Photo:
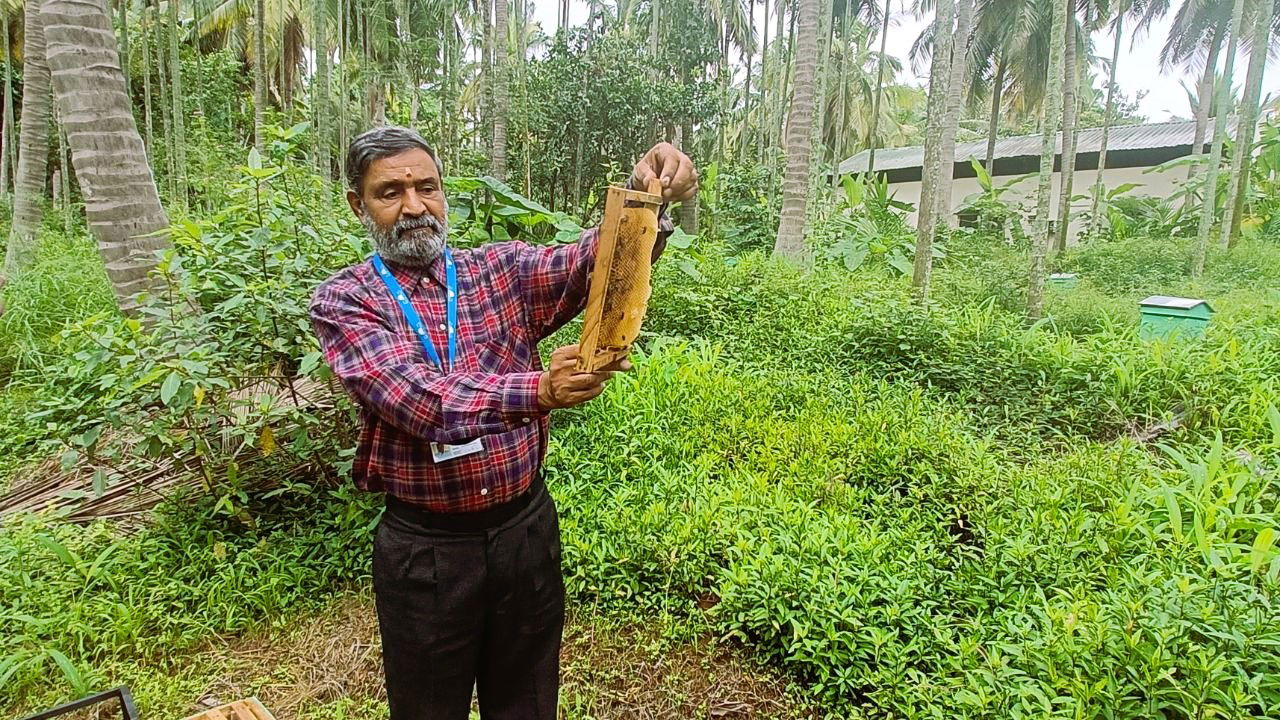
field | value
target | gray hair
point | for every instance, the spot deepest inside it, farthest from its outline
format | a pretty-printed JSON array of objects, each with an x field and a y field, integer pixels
[{"x": 382, "y": 142}]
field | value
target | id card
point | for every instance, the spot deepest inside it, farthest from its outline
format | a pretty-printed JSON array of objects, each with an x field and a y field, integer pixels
[{"x": 444, "y": 453}]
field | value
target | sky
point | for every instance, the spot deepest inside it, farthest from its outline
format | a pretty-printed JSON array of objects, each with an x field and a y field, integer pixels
[{"x": 1160, "y": 95}]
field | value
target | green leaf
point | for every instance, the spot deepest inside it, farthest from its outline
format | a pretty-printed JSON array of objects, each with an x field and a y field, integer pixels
[
  {"x": 255, "y": 159},
  {"x": 170, "y": 387},
  {"x": 99, "y": 483},
  {"x": 69, "y": 671},
  {"x": 680, "y": 239},
  {"x": 984, "y": 177},
  {"x": 1261, "y": 546},
  {"x": 310, "y": 362},
  {"x": 1175, "y": 513},
  {"x": 855, "y": 256},
  {"x": 900, "y": 263},
  {"x": 691, "y": 270}
]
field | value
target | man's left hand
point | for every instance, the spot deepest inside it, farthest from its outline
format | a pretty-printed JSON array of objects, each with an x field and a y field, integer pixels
[{"x": 672, "y": 167}]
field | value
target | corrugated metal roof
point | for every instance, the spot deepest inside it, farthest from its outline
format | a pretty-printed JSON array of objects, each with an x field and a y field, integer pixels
[{"x": 1123, "y": 137}]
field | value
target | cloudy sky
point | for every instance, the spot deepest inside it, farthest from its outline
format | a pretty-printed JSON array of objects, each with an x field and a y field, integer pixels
[{"x": 1139, "y": 69}]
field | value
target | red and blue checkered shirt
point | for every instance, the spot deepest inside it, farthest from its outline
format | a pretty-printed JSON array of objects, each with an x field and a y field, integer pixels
[{"x": 510, "y": 296}]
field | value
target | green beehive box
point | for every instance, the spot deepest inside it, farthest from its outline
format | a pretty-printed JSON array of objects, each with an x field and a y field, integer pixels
[
  {"x": 1164, "y": 316},
  {"x": 1064, "y": 281}
]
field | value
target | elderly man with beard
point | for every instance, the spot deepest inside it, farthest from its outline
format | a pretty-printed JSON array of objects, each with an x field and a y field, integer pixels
[{"x": 439, "y": 349}]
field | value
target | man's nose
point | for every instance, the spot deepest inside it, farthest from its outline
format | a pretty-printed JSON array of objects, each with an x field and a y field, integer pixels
[{"x": 413, "y": 204}]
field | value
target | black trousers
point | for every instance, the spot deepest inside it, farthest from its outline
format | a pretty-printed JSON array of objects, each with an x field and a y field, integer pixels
[{"x": 462, "y": 607}]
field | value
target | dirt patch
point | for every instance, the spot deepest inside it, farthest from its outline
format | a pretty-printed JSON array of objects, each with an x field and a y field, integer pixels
[{"x": 608, "y": 671}]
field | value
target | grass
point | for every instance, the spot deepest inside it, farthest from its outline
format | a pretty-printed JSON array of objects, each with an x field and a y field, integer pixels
[
  {"x": 895, "y": 513},
  {"x": 65, "y": 285}
]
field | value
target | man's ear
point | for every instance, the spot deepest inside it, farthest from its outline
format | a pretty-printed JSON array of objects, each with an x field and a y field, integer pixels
[{"x": 357, "y": 206}]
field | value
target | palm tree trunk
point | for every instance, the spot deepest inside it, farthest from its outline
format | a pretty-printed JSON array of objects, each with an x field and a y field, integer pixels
[
  {"x": 939, "y": 76},
  {"x": 787, "y": 77},
  {"x": 762, "y": 108},
  {"x": 872, "y": 141},
  {"x": 64, "y": 173},
  {"x": 839, "y": 144},
  {"x": 1062, "y": 17},
  {"x": 146, "y": 92},
  {"x": 1246, "y": 128},
  {"x": 486, "y": 68},
  {"x": 1108, "y": 118},
  {"x": 179, "y": 129},
  {"x": 722, "y": 77},
  {"x": 501, "y": 101},
  {"x": 281, "y": 82},
  {"x": 951, "y": 121},
  {"x": 655, "y": 18},
  {"x": 822, "y": 79},
  {"x": 320, "y": 98},
  {"x": 6, "y": 152},
  {"x": 166, "y": 107},
  {"x": 124, "y": 45},
  {"x": 744, "y": 138},
  {"x": 343, "y": 29},
  {"x": 1070, "y": 80},
  {"x": 33, "y": 146},
  {"x": 121, "y": 203},
  {"x": 1204, "y": 92},
  {"x": 795, "y": 183},
  {"x": 1207, "y": 209},
  {"x": 993, "y": 123},
  {"x": 260, "y": 75}
]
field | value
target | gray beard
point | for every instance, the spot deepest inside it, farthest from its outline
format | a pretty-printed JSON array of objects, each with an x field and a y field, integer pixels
[{"x": 415, "y": 242}]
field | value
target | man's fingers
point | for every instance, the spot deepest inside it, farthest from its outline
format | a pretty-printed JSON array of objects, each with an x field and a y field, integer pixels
[
  {"x": 685, "y": 179},
  {"x": 668, "y": 160},
  {"x": 582, "y": 381}
]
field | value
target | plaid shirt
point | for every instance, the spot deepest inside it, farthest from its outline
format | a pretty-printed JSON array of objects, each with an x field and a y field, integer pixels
[{"x": 510, "y": 296}]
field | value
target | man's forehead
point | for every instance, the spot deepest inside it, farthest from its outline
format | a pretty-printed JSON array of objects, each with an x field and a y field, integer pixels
[{"x": 415, "y": 164}]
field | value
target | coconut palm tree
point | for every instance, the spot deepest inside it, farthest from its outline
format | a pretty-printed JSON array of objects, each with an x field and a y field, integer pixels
[
  {"x": 1215, "y": 158},
  {"x": 872, "y": 139},
  {"x": 1246, "y": 125},
  {"x": 1123, "y": 8},
  {"x": 1207, "y": 213},
  {"x": 7, "y": 125},
  {"x": 939, "y": 76},
  {"x": 795, "y": 182},
  {"x": 853, "y": 99},
  {"x": 33, "y": 145},
  {"x": 951, "y": 118},
  {"x": 501, "y": 95},
  {"x": 122, "y": 205},
  {"x": 1052, "y": 118},
  {"x": 1070, "y": 81},
  {"x": 260, "y": 76}
]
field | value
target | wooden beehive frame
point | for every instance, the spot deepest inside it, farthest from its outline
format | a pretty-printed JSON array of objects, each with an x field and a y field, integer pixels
[{"x": 614, "y": 249}]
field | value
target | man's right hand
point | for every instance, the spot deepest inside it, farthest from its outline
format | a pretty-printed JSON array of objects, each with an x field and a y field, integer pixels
[{"x": 563, "y": 386}]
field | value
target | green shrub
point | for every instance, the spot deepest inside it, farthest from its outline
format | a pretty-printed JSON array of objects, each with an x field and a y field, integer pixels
[{"x": 858, "y": 534}]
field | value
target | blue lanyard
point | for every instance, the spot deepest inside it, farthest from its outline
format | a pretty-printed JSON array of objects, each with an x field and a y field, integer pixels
[{"x": 415, "y": 321}]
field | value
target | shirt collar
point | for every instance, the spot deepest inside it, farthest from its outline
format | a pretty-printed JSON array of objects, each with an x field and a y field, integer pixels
[{"x": 410, "y": 277}]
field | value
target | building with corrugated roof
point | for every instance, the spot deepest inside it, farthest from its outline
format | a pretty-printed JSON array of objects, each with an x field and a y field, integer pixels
[{"x": 1133, "y": 154}]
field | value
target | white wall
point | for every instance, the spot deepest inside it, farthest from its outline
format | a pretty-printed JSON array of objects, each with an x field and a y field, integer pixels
[{"x": 1023, "y": 193}]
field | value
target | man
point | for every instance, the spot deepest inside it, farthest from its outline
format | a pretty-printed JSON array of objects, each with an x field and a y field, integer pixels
[{"x": 439, "y": 349}]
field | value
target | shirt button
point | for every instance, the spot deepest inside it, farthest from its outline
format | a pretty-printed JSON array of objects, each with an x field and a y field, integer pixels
[
  {"x": 442, "y": 327},
  {"x": 484, "y": 491},
  {"x": 526, "y": 420}
]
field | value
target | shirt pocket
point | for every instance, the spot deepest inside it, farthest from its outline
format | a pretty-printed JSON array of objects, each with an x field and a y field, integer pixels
[{"x": 498, "y": 355}]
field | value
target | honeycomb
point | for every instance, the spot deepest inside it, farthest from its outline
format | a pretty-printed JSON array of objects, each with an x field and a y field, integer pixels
[{"x": 620, "y": 289}]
